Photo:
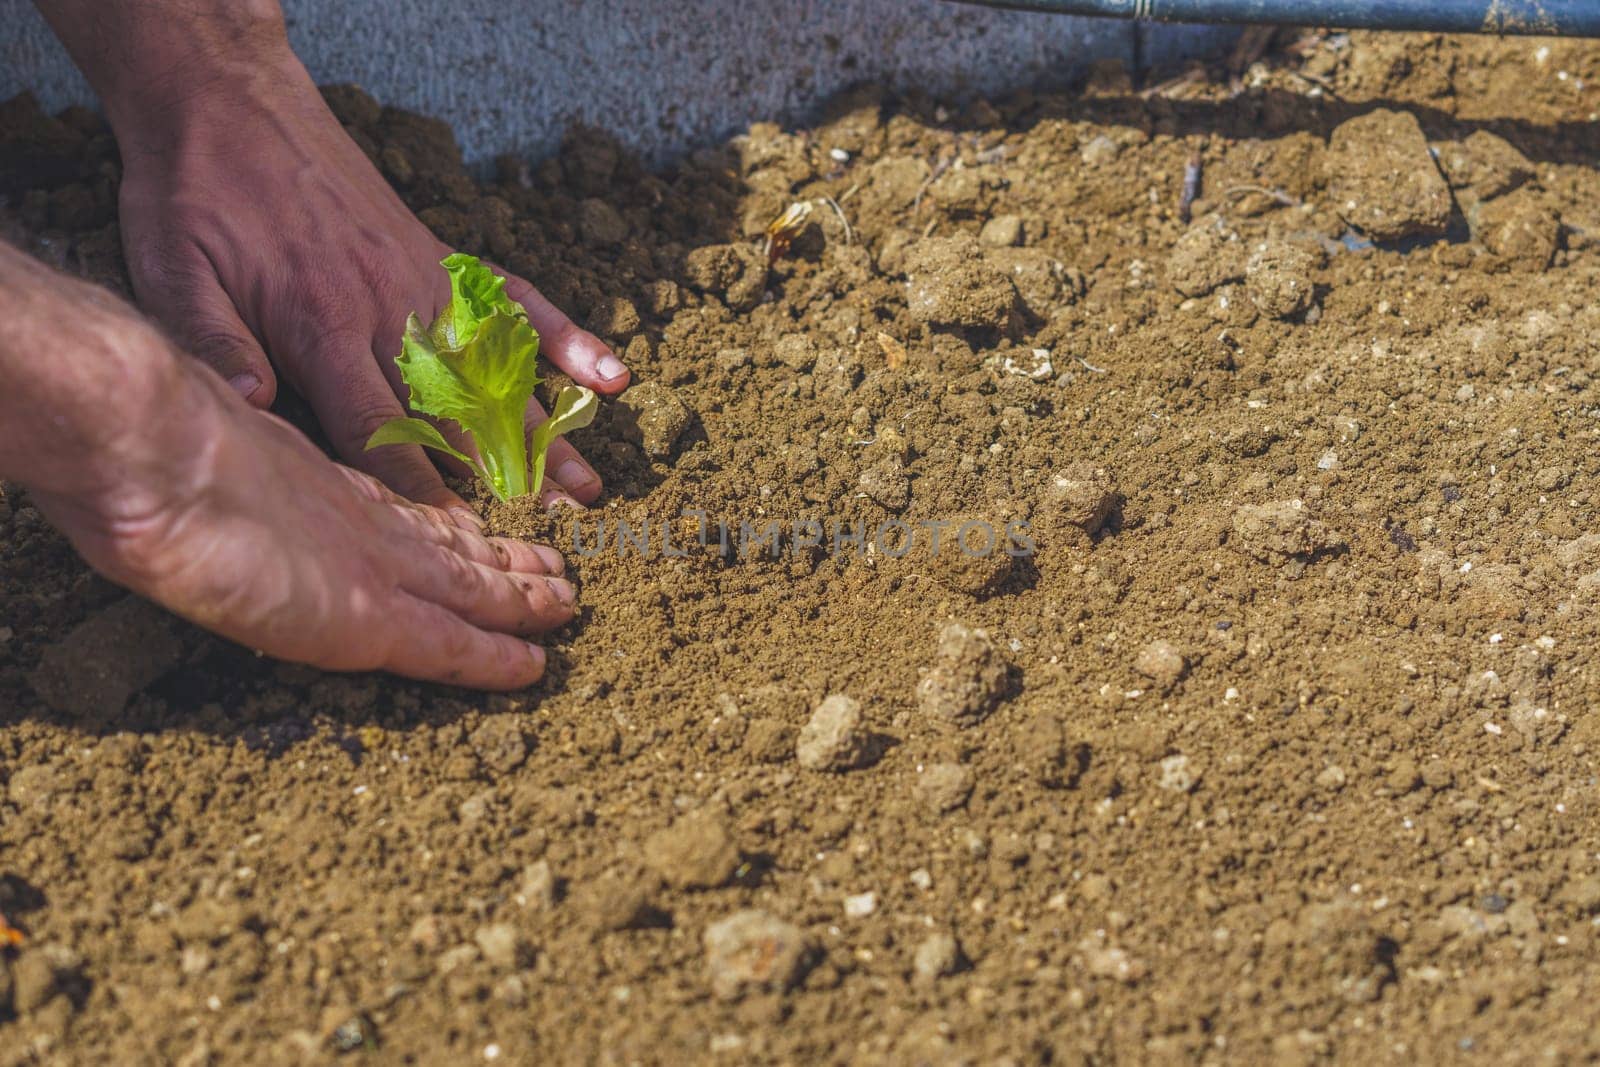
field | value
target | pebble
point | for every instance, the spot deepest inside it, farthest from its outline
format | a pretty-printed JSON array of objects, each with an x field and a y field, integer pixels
[
  {"x": 1161, "y": 662},
  {"x": 938, "y": 956},
  {"x": 538, "y": 887},
  {"x": 1207, "y": 256},
  {"x": 860, "y": 905},
  {"x": 834, "y": 739},
  {"x": 502, "y": 946},
  {"x": 797, "y": 351},
  {"x": 652, "y": 417},
  {"x": 967, "y": 680},
  {"x": 944, "y": 787},
  {"x": 752, "y": 951},
  {"x": 1177, "y": 776},
  {"x": 695, "y": 852},
  {"x": 1002, "y": 231},
  {"x": 1099, "y": 151}
]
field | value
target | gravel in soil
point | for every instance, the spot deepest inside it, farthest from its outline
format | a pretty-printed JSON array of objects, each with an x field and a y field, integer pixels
[{"x": 1278, "y": 744}]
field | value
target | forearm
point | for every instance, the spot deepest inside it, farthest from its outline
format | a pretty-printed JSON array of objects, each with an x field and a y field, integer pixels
[
  {"x": 83, "y": 374},
  {"x": 148, "y": 59}
]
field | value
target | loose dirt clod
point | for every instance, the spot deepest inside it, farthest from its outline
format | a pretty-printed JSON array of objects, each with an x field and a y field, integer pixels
[
  {"x": 695, "y": 852},
  {"x": 943, "y": 787},
  {"x": 950, "y": 284},
  {"x": 834, "y": 739},
  {"x": 652, "y": 416},
  {"x": 1079, "y": 494},
  {"x": 1383, "y": 179},
  {"x": 1278, "y": 278},
  {"x": 967, "y": 679},
  {"x": 752, "y": 951},
  {"x": 1282, "y": 530},
  {"x": 1162, "y": 662}
]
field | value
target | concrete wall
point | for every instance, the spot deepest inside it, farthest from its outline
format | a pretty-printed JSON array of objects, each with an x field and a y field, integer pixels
[{"x": 511, "y": 75}]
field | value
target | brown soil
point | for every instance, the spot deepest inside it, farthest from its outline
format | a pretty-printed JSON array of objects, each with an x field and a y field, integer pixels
[{"x": 1281, "y": 747}]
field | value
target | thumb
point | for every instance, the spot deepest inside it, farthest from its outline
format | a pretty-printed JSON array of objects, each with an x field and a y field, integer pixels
[{"x": 201, "y": 318}]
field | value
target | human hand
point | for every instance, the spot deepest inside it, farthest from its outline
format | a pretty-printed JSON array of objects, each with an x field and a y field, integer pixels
[
  {"x": 254, "y": 227},
  {"x": 230, "y": 518}
]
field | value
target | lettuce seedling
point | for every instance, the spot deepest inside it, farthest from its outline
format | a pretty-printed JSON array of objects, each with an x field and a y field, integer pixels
[{"x": 476, "y": 365}]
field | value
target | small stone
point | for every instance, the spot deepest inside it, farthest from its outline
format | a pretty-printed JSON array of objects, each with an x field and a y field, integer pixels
[
  {"x": 1382, "y": 178},
  {"x": 696, "y": 852},
  {"x": 833, "y": 740},
  {"x": 1331, "y": 778},
  {"x": 967, "y": 680},
  {"x": 651, "y": 416},
  {"x": 538, "y": 887},
  {"x": 502, "y": 946},
  {"x": 1277, "y": 278},
  {"x": 887, "y": 485},
  {"x": 1177, "y": 776},
  {"x": 1002, "y": 231},
  {"x": 1099, "y": 151},
  {"x": 860, "y": 905},
  {"x": 1161, "y": 662},
  {"x": 1550, "y": 479},
  {"x": 944, "y": 787},
  {"x": 753, "y": 952},
  {"x": 938, "y": 956},
  {"x": 1081, "y": 495}
]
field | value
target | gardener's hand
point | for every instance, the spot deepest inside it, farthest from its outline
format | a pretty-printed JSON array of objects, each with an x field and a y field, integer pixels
[
  {"x": 254, "y": 227},
  {"x": 232, "y": 519}
]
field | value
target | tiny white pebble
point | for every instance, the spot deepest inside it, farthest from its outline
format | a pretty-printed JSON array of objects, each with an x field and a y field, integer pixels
[
  {"x": 839, "y": 155},
  {"x": 922, "y": 879},
  {"x": 491, "y": 1052},
  {"x": 1493, "y": 728},
  {"x": 861, "y": 905},
  {"x": 1231, "y": 694},
  {"x": 1495, "y": 639},
  {"x": 1465, "y": 567},
  {"x": 358, "y": 790}
]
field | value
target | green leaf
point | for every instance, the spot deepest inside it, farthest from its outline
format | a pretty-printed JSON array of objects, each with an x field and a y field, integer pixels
[
  {"x": 477, "y": 365},
  {"x": 575, "y": 409},
  {"x": 476, "y": 294},
  {"x": 404, "y": 431}
]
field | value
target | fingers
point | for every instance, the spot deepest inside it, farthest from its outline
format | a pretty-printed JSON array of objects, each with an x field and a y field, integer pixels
[
  {"x": 201, "y": 318},
  {"x": 436, "y": 645},
  {"x": 494, "y": 599},
  {"x": 352, "y": 398},
  {"x": 580, "y": 354}
]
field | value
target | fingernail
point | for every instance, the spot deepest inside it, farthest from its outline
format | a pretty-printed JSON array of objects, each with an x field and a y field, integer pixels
[
  {"x": 244, "y": 384},
  {"x": 573, "y": 474},
  {"x": 610, "y": 367},
  {"x": 553, "y": 563},
  {"x": 563, "y": 590},
  {"x": 538, "y": 656},
  {"x": 554, "y": 497},
  {"x": 467, "y": 520}
]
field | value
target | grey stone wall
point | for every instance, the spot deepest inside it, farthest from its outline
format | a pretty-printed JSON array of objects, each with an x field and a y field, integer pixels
[{"x": 511, "y": 75}]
